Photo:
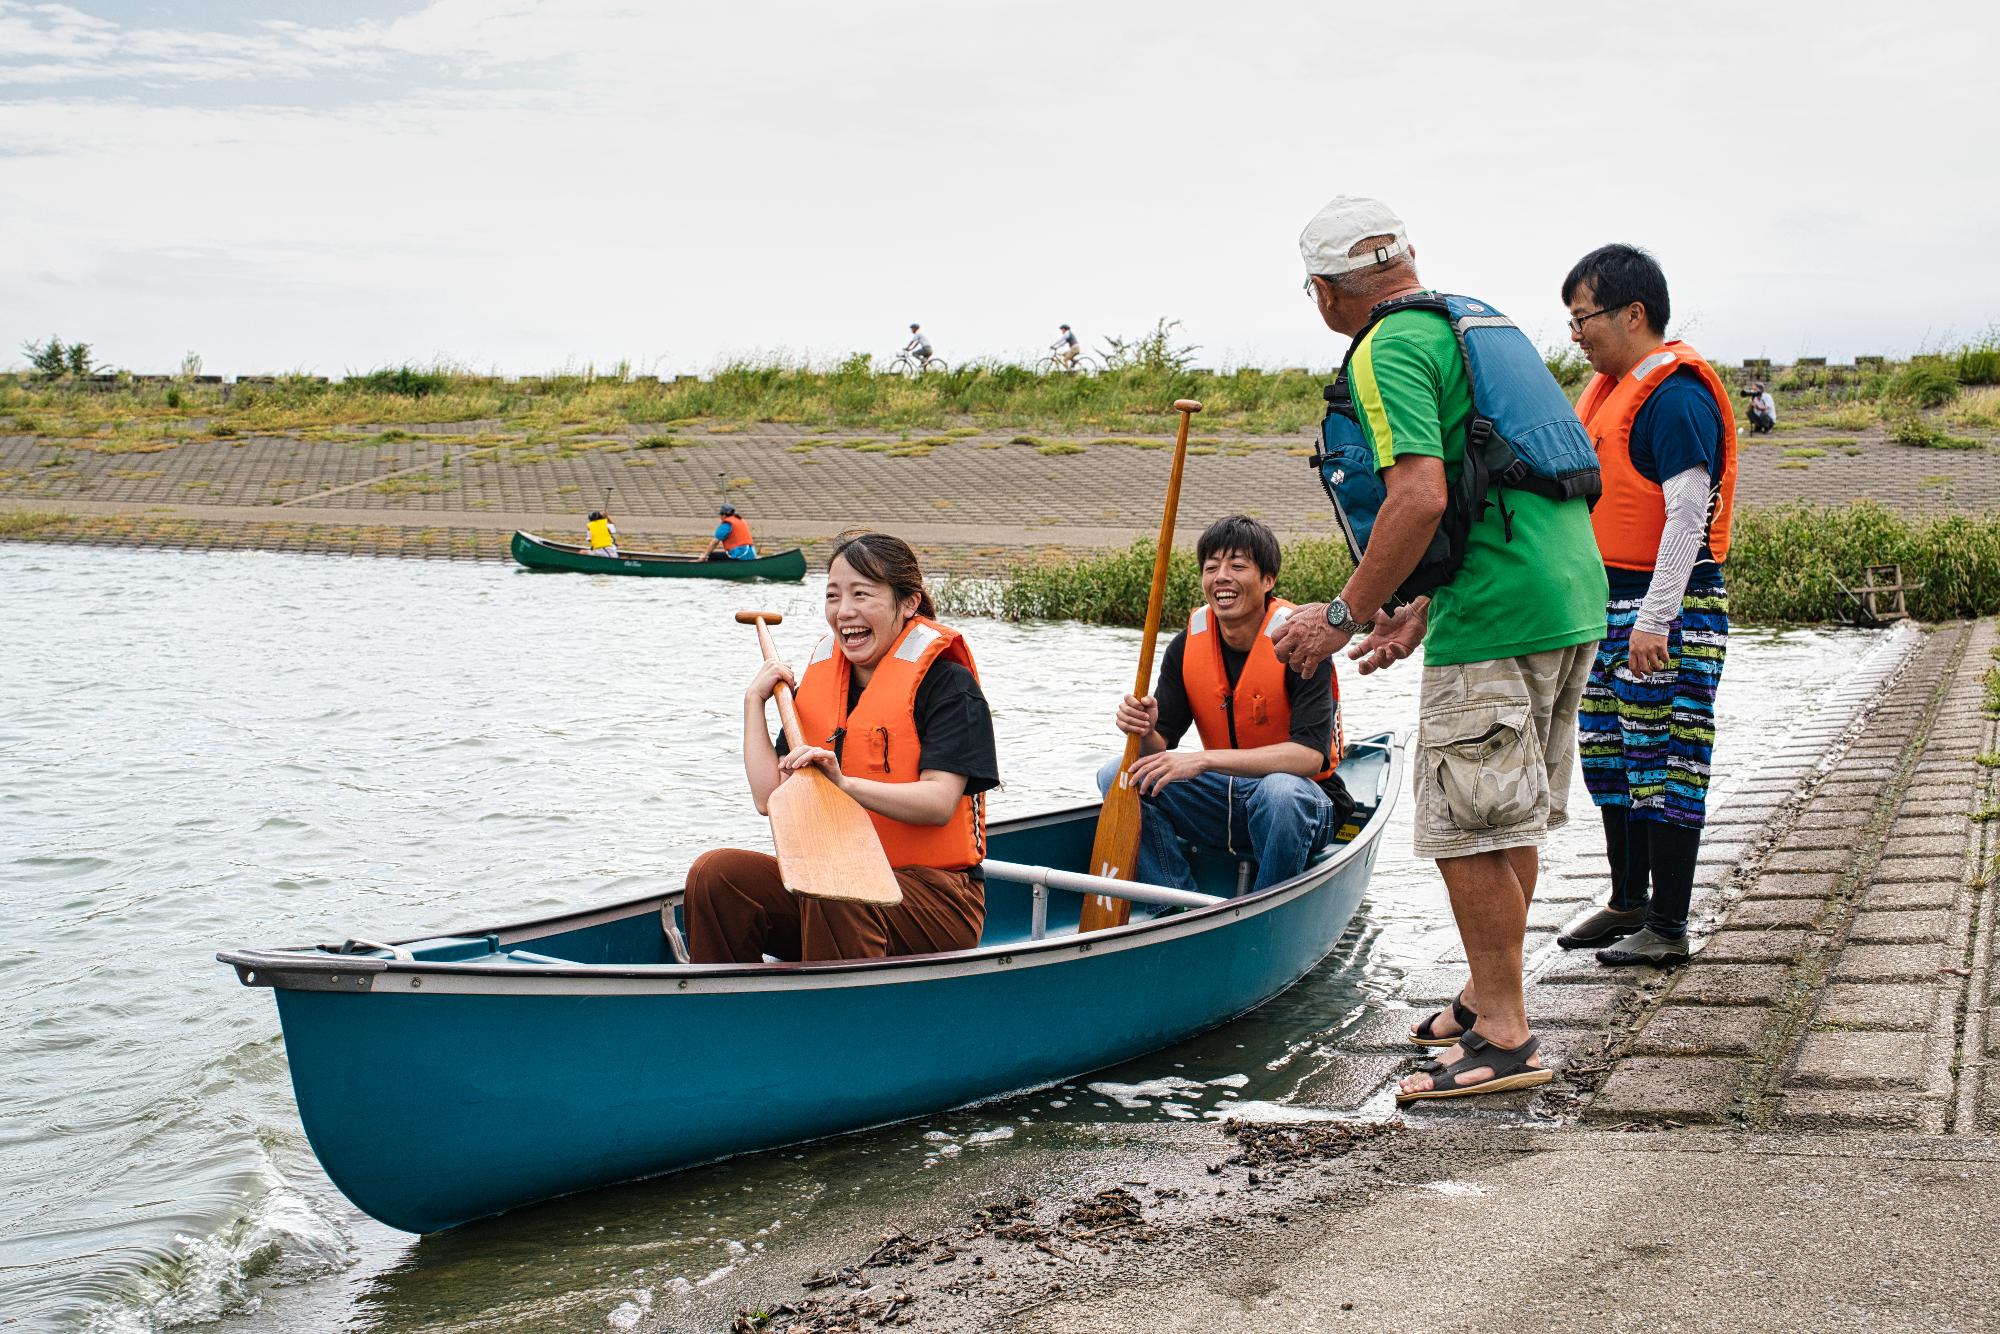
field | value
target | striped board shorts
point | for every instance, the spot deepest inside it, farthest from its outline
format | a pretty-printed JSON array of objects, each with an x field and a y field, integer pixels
[{"x": 1646, "y": 741}]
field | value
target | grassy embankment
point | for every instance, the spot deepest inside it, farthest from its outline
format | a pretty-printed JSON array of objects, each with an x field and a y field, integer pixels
[
  {"x": 1786, "y": 566},
  {"x": 1921, "y": 400}
]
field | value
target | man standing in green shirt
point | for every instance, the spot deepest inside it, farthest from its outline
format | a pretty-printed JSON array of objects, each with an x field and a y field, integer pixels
[{"x": 1507, "y": 642}]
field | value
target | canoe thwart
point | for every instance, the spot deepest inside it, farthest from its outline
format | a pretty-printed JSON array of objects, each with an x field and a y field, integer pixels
[{"x": 1079, "y": 883}]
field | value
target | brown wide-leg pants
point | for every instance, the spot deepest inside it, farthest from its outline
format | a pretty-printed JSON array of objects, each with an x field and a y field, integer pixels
[{"x": 738, "y": 910}]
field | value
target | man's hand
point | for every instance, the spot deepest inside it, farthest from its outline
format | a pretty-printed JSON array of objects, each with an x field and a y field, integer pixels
[
  {"x": 1305, "y": 640},
  {"x": 1394, "y": 638},
  {"x": 1150, "y": 773},
  {"x": 1647, "y": 653},
  {"x": 1138, "y": 717}
]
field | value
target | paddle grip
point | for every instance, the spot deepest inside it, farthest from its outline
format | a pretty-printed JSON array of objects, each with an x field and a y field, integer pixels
[{"x": 788, "y": 713}]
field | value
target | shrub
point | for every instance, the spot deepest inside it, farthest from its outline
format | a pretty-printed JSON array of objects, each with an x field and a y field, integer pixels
[
  {"x": 1568, "y": 365},
  {"x": 409, "y": 381},
  {"x": 1927, "y": 384},
  {"x": 1786, "y": 565}
]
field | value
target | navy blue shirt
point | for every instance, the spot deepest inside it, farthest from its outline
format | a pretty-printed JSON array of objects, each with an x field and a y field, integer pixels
[{"x": 1677, "y": 428}]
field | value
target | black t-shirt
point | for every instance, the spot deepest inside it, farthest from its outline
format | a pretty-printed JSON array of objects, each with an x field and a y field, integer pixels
[
  {"x": 954, "y": 725},
  {"x": 1310, "y": 699}
]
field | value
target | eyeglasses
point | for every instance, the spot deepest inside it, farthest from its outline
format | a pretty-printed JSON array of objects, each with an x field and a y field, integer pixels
[{"x": 1578, "y": 321}]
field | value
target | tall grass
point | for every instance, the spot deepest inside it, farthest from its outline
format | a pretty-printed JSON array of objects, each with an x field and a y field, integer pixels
[{"x": 1787, "y": 565}]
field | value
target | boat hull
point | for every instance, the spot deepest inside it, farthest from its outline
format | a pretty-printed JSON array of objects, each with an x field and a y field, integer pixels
[
  {"x": 436, "y": 1092},
  {"x": 539, "y": 553}
]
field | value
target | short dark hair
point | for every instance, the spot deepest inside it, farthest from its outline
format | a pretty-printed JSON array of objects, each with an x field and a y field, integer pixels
[
  {"x": 1619, "y": 275},
  {"x": 1241, "y": 533}
]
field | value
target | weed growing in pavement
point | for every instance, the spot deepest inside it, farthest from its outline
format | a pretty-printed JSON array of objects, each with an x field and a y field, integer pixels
[
  {"x": 1926, "y": 434},
  {"x": 1989, "y": 760},
  {"x": 1804, "y": 452},
  {"x": 26, "y": 523},
  {"x": 1852, "y": 417},
  {"x": 1977, "y": 409},
  {"x": 1930, "y": 383},
  {"x": 1058, "y": 448}
]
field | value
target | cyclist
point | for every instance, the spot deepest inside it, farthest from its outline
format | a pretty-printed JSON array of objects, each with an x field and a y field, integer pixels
[
  {"x": 918, "y": 349},
  {"x": 1066, "y": 348}
]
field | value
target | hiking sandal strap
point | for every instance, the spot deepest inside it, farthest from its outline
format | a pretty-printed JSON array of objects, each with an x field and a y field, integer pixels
[
  {"x": 1481, "y": 1054},
  {"x": 1460, "y": 1011}
]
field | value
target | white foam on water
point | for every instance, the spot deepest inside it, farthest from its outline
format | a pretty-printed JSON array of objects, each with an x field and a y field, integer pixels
[
  {"x": 283, "y": 1239},
  {"x": 1180, "y": 1111},
  {"x": 1133, "y": 1097},
  {"x": 1270, "y": 1113},
  {"x": 627, "y": 1315},
  {"x": 1229, "y": 1082},
  {"x": 993, "y": 1136}
]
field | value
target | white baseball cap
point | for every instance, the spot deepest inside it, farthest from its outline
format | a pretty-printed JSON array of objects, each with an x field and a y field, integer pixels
[{"x": 1346, "y": 221}]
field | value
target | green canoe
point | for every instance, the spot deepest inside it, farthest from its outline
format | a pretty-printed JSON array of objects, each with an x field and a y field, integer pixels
[{"x": 538, "y": 553}]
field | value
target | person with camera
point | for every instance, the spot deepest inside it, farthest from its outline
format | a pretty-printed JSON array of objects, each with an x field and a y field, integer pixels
[{"x": 1763, "y": 412}]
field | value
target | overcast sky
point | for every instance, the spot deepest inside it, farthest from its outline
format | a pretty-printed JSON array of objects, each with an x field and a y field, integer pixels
[{"x": 513, "y": 185}]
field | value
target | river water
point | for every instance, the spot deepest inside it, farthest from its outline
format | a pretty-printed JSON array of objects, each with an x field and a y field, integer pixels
[{"x": 200, "y": 751}]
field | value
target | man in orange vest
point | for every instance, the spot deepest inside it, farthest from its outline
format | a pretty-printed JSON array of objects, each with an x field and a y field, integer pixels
[
  {"x": 732, "y": 537},
  {"x": 1665, "y": 433},
  {"x": 1263, "y": 785}
]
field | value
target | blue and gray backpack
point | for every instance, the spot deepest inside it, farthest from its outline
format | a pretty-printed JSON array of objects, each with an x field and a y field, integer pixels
[{"x": 1524, "y": 434}]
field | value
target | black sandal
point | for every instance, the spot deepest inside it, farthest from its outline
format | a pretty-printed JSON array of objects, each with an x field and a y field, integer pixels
[
  {"x": 1426, "y": 1034},
  {"x": 1509, "y": 1066}
]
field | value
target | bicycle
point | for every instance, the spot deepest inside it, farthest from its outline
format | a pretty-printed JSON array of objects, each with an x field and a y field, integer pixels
[
  {"x": 1084, "y": 362},
  {"x": 909, "y": 366}
]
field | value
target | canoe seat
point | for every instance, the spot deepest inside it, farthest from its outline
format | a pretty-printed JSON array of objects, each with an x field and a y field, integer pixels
[
  {"x": 529, "y": 956},
  {"x": 453, "y": 949}
]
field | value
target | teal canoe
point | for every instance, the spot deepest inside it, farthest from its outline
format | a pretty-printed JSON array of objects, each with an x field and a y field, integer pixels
[
  {"x": 538, "y": 553},
  {"x": 457, "y": 1075}
]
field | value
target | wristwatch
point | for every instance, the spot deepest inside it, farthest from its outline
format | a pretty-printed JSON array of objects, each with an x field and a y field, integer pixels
[{"x": 1338, "y": 617}]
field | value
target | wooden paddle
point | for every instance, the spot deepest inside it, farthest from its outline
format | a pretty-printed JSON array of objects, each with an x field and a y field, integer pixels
[
  {"x": 1115, "y": 852},
  {"x": 827, "y": 848}
]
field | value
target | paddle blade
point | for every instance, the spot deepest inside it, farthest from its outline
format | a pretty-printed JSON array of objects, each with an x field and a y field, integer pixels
[
  {"x": 827, "y": 848},
  {"x": 1114, "y": 854}
]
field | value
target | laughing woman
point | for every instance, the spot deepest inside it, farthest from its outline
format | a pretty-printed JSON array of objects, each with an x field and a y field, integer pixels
[{"x": 892, "y": 712}]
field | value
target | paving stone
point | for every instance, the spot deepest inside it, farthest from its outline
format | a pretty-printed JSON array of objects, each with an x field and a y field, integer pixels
[
  {"x": 1929, "y": 824},
  {"x": 1908, "y": 1006},
  {"x": 1887, "y": 963},
  {"x": 1840, "y": 837},
  {"x": 1701, "y": 1088},
  {"x": 1385, "y": 1030},
  {"x": 1348, "y": 1081},
  {"x": 1948, "y": 869},
  {"x": 1835, "y": 862},
  {"x": 1553, "y": 914},
  {"x": 1792, "y": 885},
  {"x": 1910, "y": 894},
  {"x": 1902, "y": 845},
  {"x": 1761, "y": 913},
  {"x": 1815, "y": 818},
  {"x": 1431, "y": 986},
  {"x": 1858, "y": 1109},
  {"x": 1774, "y": 945},
  {"x": 1702, "y": 982},
  {"x": 1861, "y": 1060},
  {"x": 1577, "y": 1006},
  {"x": 1703, "y": 1030},
  {"x": 1875, "y": 928},
  {"x": 1841, "y": 801},
  {"x": 1581, "y": 968}
]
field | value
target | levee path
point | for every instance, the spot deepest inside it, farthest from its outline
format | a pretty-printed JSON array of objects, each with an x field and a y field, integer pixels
[{"x": 973, "y": 501}]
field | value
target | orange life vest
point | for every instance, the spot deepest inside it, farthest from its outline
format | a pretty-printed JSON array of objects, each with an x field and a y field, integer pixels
[
  {"x": 739, "y": 532},
  {"x": 1257, "y": 711},
  {"x": 880, "y": 741},
  {"x": 1633, "y": 513}
]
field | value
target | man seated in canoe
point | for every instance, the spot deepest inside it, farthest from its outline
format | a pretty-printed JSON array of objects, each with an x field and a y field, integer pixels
[
  {"x": 600, "y": 534},
  {"x": 902, "y": 726},
  {"x": 732, "y": 539},
  {"x": 1263, "y": 784}
]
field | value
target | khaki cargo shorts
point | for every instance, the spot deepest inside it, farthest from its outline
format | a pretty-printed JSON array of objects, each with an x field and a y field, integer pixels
[{"x": 1496, "y": 742}]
